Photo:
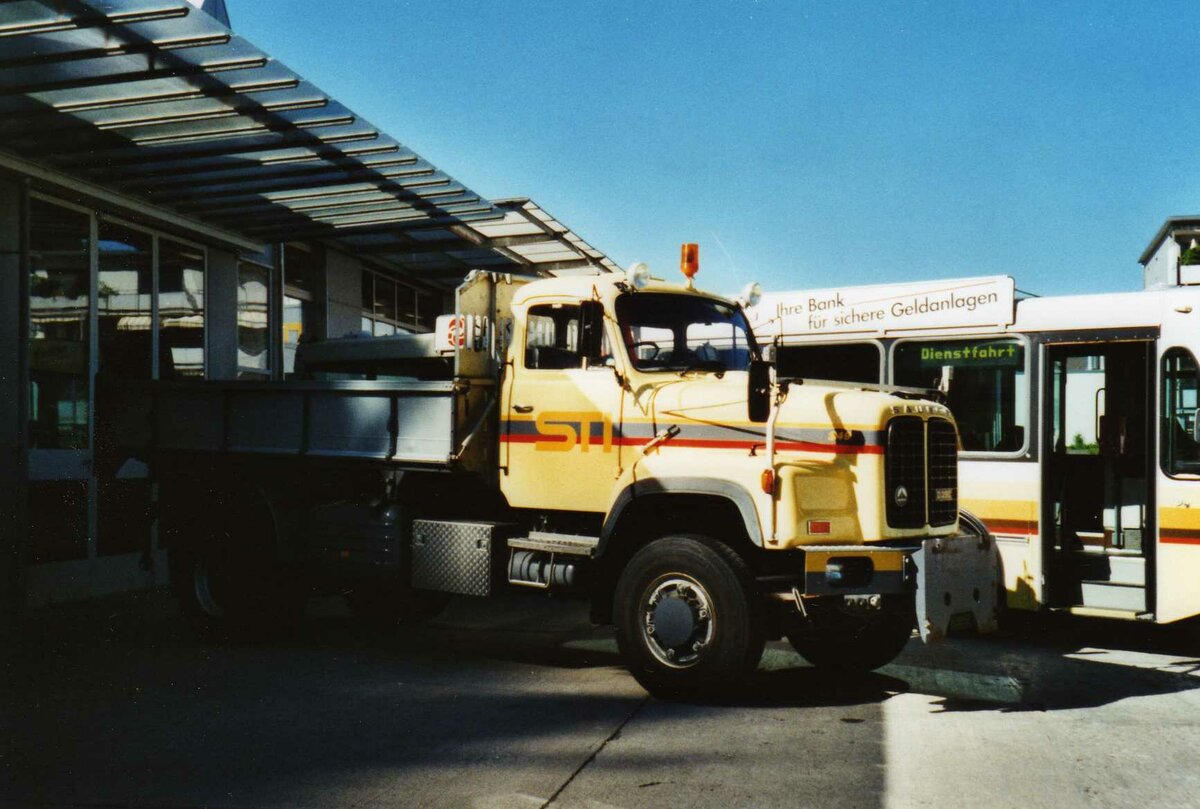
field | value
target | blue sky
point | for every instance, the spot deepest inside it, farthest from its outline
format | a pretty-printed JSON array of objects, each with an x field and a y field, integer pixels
[{"x": 802, "y": 145}]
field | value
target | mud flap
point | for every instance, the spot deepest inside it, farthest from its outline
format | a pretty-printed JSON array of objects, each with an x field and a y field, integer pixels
[{"x": 957, "y": 581}]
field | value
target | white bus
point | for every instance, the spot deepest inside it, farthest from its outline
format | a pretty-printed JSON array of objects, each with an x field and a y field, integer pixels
[{"x": 1077, "y": 416}]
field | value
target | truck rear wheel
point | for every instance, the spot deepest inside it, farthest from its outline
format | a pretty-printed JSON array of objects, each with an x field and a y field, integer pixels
[
  {"x": 688, "y": 622},
  {"x": 230, "y": 590},
  {"x": 857, "y": 644}
]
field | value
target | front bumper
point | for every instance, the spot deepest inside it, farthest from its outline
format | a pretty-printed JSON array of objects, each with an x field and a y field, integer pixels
[{"x": 953, "y": 580}]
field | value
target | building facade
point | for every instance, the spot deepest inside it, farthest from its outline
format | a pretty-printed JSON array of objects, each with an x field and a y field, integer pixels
[{"x": 176, "y": 205}]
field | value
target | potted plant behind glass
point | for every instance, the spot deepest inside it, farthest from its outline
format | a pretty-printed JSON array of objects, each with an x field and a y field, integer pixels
[{"x": 1189, "y": 264}]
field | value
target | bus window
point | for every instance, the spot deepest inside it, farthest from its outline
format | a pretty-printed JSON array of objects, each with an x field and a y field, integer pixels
[
  {"x": 844, "y": 362},
  {"x": 988, "y": 395},
  {"x": 1180, "y": 450}
]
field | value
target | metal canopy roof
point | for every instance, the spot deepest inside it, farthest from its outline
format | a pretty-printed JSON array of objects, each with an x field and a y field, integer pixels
[
  {"x": 525, "y": 239},
  {"x": 161, "y": 102}
]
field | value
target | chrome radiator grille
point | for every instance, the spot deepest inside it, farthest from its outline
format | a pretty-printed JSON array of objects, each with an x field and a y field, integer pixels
[
  {"x": 943, "y": 472},
  {"x": 921, "y": 473}
]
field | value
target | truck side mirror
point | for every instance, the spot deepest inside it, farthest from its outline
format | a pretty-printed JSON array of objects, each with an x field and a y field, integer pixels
[
  {"x": 591, "y": 330},
  {"x": 758, "y": 394}
]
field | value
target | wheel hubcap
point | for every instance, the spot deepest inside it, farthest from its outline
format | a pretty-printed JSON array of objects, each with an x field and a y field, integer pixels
[
  {"x": 202, "y": 580},
  {"x": 677, "y": 620}
]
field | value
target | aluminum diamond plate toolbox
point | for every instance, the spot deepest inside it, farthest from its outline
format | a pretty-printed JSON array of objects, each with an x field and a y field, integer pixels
[{"x": 454, "y": 557}]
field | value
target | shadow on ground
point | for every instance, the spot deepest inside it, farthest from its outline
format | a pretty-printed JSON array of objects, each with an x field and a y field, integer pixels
[{"x": 115, "y": 703}]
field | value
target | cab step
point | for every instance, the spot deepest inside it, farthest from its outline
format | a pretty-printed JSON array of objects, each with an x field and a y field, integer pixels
[
  {"x": 1101, "y": 612},
  {"x": 547, "y": 542},
  {"x": 1113, "y": 596}
]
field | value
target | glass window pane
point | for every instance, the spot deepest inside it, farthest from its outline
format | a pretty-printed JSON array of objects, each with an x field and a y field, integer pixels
[
  {"x": 385, "y": 298},
  {"x": 856, "y": 362},
  {"x": 254, "y": 350},
  {"x": 552, "y": 337},
  {"x": 717, "y": 341},
  {"x": 1180, "y": 449},
  {"x": 429, "y": 306},
  {"x": 126, "y": 291},
  {"x": 670, "y": 332},
  {"x": 297, "y": 317},
  {"x": 368, "y": 292},
  {"x": 59, "y": 293},
  {"x": 301, "y": 270},
  {"x": 180, "y": 310},
  {"x": 406, "y": 304},
  {"x": 989, "y": 391}
]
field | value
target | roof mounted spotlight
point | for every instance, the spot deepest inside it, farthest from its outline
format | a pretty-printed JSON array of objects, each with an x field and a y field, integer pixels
[
  {"x": 638, "y": 274},
  {"x": 750, "y": 295}
]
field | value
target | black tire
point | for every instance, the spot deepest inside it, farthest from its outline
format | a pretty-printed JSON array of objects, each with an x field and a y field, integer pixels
[
  {"x": 854, "y": 644},
  {"x": 388, "y": 603},
  {"x": 689, "y": 622},
  {"x": 231, "y": 586}
]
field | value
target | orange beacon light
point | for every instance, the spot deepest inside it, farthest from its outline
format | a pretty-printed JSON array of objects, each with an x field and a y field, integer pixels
[{"x": 689, "y": 260}]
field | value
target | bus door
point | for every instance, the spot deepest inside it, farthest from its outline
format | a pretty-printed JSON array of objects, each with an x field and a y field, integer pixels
[{"x": 1097, "y": 475}]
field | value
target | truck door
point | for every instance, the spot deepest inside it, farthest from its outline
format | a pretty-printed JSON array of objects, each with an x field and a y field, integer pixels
[
  {"x": 1098, "y": 499},
  {"x": 561, "y": 411}
]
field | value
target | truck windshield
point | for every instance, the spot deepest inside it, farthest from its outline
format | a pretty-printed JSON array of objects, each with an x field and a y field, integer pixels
[{"x": 667, "y": 332}]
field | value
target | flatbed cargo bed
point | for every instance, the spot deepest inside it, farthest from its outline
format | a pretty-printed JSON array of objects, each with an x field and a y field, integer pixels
[{"x": 404, "y": 422}]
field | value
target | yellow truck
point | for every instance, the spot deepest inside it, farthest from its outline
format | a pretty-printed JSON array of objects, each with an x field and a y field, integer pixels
[{"x": 612, "y": 437}]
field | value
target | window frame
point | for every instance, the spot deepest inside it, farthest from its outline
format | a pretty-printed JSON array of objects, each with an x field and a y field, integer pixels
[
  {"x": 583, "y": 364},
  {"x": 880, "y": 348},
  {"x": 752, "y": 344},
  {"x": 1161, "y": 415},
  {"x": 99, "y": 215},
  {"x": 245, "y": 374},
  {"x": 158, "y": 237},
  {"x": 1026, "y": 402},
  {"x": 421, "y": 324}
]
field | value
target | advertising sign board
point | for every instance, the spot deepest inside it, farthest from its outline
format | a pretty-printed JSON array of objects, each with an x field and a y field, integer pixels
[{"x": 876, "y": 309}]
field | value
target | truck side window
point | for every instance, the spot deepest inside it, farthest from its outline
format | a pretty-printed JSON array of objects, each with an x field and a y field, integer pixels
[
  {"x": 1180, "y": 450},
  {"x": 989, "y": 393},
  {"x": 552, "y": 337}
]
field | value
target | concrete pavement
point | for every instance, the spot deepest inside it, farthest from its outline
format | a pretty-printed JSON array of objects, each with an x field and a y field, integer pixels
[{"x": 521, "y": 704}]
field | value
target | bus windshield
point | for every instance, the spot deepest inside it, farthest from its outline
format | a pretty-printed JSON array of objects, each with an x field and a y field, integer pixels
[{"x": 668, "y": 332}]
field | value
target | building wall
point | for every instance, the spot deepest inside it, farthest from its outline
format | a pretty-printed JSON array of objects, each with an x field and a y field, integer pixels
[
  {"x": 1161, "y": 270},
  {"x": 12, "y": 529},
  {"x": 343, "y": 283}
]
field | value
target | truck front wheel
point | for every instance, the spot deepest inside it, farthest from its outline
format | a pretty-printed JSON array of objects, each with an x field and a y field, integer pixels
[
  {"x": 688, "y": 622},
  {"x": 856, "y": 644}
]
